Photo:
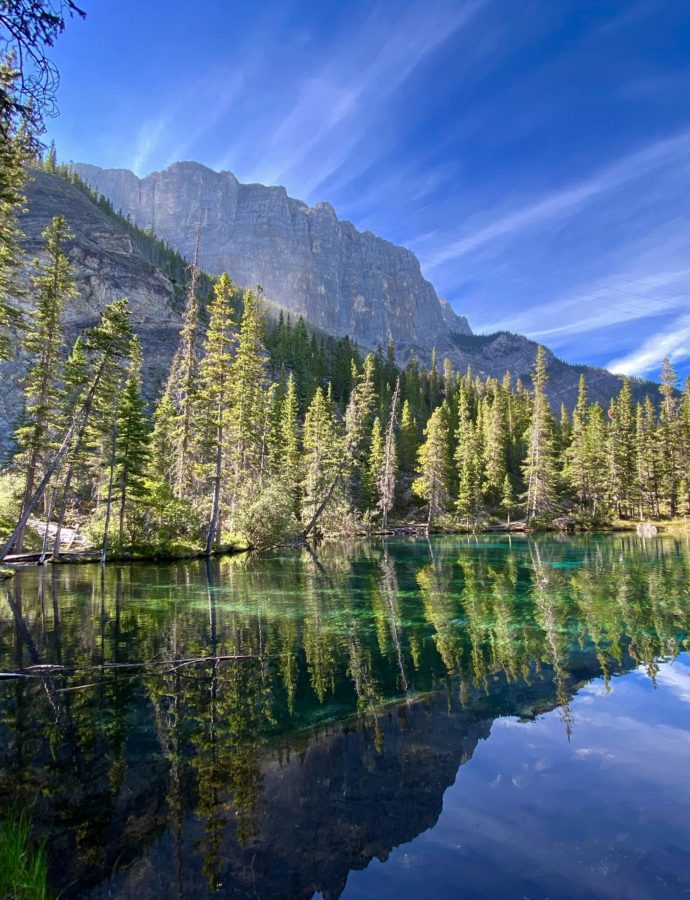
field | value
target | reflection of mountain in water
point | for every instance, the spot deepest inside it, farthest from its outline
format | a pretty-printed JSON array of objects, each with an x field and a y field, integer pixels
[
  {"x": 331, "y": 803},
  {"x": 276, "y": 775}
]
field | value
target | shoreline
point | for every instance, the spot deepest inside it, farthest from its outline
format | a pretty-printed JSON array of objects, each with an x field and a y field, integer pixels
[{"x": 26, "y": 560}]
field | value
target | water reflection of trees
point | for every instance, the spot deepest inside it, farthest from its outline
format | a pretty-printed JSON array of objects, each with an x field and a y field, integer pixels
[{"x": 324, "y": 637}]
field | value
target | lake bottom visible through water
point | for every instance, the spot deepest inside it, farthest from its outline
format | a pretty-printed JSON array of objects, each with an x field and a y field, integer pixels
[{"x": 492, "y": 717}]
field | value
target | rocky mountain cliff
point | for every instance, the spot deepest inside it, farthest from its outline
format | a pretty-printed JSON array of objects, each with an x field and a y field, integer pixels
[
  {"x": 340, "y": 279},
  {"x": 110, "y": 264}
]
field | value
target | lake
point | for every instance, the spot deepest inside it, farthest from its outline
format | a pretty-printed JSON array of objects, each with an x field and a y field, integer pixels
[{"x": 479, "y": 717}]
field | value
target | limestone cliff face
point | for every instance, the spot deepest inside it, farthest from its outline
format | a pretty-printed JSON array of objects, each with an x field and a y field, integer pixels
[
  {"x": 340, "y": 279},
  {"x": 390, "y": 296}
]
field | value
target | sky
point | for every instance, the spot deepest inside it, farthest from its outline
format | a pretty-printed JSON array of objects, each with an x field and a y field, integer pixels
[{"x": 535, "y": 155}]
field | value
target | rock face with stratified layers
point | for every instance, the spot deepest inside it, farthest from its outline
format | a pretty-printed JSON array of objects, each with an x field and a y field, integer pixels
[{"x": 340, "y": 279}]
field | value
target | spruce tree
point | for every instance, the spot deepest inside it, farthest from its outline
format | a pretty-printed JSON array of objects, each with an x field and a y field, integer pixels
[
  {"x": 622, "y": 482},
  {"x": 374, "y": 464},
  {"x": 507, "y": 499},
  {"x": 323, "y": 456},
  {"x": 576, "y": 469},
  {"x": 469, "y": 459},
  {"x": 13, "y": 156},
  {"x": 495, "y": 449},
  {"x": 669, "y": 435},
  {"x": 181, "y": 387},
  {"x": 432, "y": 484},
  {"x": 214, "y": 397},
  {"x": 409, "y": 440},
  {"x": 595, "y": 460},
  {"x": 132, "y": 444},
  {"x": 288, "y": 446},
  {"x": 539, "y": 467},
  {"x": 248, "y": 405}
]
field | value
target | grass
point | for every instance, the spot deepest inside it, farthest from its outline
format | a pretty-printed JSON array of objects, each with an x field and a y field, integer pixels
[{"x": 23, "y": 865}]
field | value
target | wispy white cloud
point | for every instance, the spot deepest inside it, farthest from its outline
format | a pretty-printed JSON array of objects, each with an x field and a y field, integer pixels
[
  {"x": 640, "y": 289},
  {"x": 672, "y": 342},
  {"x": 341, "y": 102},
  {"x": 556, "y": 204}
]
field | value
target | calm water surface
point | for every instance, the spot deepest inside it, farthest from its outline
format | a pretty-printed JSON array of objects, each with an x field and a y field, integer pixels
[{"x": 463, "y": 718}]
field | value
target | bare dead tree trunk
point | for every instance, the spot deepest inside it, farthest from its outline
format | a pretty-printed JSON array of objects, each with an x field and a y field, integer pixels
[{"x": 388, "y": 475}]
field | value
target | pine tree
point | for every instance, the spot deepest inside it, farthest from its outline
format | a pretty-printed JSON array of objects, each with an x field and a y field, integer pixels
[
  {"x": 669, "y": 437},
  {"x": 374, "y": 464},
  {"x": 596, "y": 459},
  {"x": 409, "y": 440},
  {"x": 181, "y": 387},
  {"x": 432, "y": 484},
  {"x": 36, "y": 436},
  {"x": 507, "y": 499},
  {"x": 214, "y": 397},
  {"x": 105, "y": 424},
  {"x": 323, "y": 454},
  {"x": 132, "y": 443},
  {"x": 576, "y": 469},
  {"x": 649, "y": 469},
  {"x": 13, "y": 155},
  {"x": 51, "y": 159},
  {"x": 495, "y": 449},
  {"x": 622, "y": 487},
  {"x": 248, "y": 408},
  {"x": 358, "y": 421},
  {"x": 539, "y": 467},
  {"x": 288, "y": 446},
  {"x": 468, "y": 456},
  {"x": 565, "y": 431}
]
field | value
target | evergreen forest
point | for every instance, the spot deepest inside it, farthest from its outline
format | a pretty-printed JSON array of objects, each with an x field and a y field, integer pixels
[{"x": 266, "y": 431}]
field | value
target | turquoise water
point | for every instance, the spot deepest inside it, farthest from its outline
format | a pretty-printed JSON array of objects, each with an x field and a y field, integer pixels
[{"x": 490, "y": 717}]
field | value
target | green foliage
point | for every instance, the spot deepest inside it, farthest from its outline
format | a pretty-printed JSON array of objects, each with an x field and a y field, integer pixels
[
  {"x": 268, "y": 519},
  {"x": 13, "y": 154},
  {"x": 23, "y": 865},
  {"x": 434, "y": 469}
]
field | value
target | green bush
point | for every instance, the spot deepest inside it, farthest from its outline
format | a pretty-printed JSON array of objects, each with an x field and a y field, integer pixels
[{"x": 268, "y": 520}]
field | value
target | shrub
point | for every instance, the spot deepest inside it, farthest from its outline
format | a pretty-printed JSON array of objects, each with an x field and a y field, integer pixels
[{"x": 268, "y": 519}]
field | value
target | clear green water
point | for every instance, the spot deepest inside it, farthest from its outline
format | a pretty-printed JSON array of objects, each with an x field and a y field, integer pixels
[{"x": 466, "y": 718}]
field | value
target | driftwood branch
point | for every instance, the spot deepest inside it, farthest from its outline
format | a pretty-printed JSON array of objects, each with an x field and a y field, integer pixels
[{"x": 46, "y": 669}]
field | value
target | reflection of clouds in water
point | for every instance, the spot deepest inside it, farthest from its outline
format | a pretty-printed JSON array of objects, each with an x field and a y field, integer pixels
[{"x": 675, "y": 677}]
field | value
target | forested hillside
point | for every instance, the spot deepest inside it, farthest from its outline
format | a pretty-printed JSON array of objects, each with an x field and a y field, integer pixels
[{"x": 263, "y": 430}]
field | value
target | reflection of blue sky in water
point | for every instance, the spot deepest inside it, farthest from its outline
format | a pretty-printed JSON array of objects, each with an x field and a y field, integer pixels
[{"x": 532, "y": 815}]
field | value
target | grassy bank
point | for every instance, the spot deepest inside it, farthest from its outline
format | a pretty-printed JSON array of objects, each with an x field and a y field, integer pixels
[{"x": 23, "y": 865}]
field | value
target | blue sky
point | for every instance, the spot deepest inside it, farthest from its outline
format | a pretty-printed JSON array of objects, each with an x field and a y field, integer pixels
[{"x": 535, "y": 155}]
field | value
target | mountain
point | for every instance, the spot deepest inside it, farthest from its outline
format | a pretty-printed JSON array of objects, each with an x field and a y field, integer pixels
[
  {"x": 340, "y": 279},
  {"x": 111, "y": 260}
]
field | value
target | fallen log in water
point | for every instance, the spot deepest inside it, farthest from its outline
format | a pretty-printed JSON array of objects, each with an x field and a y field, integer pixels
[{"x": 42, "y": 670}]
